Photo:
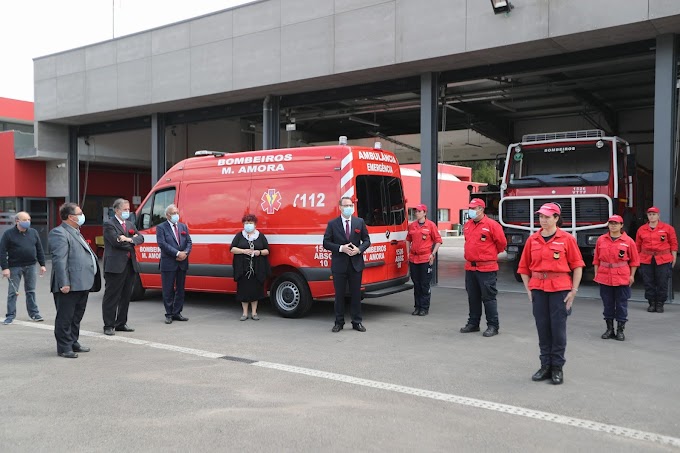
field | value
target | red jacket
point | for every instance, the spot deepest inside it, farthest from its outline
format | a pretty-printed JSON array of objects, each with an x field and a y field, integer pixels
[
  {"x": 549, "y": 263},
  {"x": 422, "y": 238},
  {"x": 658, "y": 243},
  {"x": 484, "y": 240},
  {"x": 614, "y": 259}
]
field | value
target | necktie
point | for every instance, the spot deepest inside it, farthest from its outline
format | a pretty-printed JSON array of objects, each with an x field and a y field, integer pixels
[
  {"x": 347, "y": 229},
  {"x": 174, "y": 226}
]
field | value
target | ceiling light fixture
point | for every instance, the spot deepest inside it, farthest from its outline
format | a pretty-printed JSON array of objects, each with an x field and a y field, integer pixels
[{"x": 356, "y": 119}]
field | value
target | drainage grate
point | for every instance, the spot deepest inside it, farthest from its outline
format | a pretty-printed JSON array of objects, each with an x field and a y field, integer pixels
[{"x": 238, "y": 359}]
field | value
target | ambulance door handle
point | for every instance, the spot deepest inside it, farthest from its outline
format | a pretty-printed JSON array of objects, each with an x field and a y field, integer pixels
[{"x": 394, "y": 242}]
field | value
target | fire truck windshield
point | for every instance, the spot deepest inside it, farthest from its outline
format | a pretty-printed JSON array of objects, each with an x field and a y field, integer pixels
[{"x": 561, "y": 165}]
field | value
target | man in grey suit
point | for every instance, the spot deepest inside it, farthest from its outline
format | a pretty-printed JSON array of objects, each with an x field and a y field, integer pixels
[{"x": 75, "y": 273}]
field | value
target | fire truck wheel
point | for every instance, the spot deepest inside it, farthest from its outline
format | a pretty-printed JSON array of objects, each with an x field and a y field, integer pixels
[
  {"x": 290, "y": 295},
  {"x": 515, "y": 265},
  {"x": 137, "y": 289}
]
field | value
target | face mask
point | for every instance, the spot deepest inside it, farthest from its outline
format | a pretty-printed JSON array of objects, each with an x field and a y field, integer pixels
[
  {"x": 174, "y": 218},
  {"x": 125, "y": 215},
  {"x": 347, "y": 211},
  {"x": 249, "y": 227},
  {"x": 25, "y": 224},
  {"x": 81, "y": 219},
  {"x": 472, "y": 213}
]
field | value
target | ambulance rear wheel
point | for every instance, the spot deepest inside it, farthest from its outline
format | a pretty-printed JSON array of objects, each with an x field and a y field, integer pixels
[
  {"x": 137, "y": 289},
  {"x": 290, "y": 295}
]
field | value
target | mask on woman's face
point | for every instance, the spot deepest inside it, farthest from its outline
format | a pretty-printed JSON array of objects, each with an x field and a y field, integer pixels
[
  {"x": 125, "y": 215},
  {"x": 472, "y": 213},
  {"x": 347, "y": 211},
  {"x": 249, "y": 227},
  {"x": 174, "y": 218}
]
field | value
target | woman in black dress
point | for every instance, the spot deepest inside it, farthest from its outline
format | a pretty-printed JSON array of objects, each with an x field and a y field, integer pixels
[{"x": 251, "y": 265}]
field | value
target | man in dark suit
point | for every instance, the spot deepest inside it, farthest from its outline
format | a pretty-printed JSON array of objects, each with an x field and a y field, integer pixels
[
  {"x": 175, "y": 243},
  {"x": 75, "y": 273},
  {"x": 347, "y": 239},
  {"x": 120, "y": 266}
]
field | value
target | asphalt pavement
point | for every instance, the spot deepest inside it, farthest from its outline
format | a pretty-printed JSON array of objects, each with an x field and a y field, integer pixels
[{"x": 409, "y": 383}]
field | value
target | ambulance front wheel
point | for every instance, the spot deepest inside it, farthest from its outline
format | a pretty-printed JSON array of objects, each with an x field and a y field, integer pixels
[
  {"x": 290, "y": 295},
  {"x": 137, "y": 289}
]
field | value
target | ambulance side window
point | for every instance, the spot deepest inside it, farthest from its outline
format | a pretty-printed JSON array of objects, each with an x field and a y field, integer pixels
[
  {"x": 153, "y": 211},
  {"x": 380, "y": 200}
]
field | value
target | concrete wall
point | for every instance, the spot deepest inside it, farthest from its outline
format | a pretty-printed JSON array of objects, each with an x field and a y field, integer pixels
[{"x": 277, "y": 41}]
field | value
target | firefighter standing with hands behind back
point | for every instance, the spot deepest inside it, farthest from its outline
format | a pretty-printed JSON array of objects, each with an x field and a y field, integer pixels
[
  {"x": 425, "y": 240},
  {"x": 616, "y": 260},
  {"x": 658, "y": 246}
]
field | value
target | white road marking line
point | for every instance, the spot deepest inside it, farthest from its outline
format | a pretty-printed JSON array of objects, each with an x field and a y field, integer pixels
[{"x": 447, "y": 397}]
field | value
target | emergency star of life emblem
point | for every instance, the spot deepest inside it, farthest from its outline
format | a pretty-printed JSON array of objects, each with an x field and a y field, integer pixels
[{"x": 271, "y": 201}]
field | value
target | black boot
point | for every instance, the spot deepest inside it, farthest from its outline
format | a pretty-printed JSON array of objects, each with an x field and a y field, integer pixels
[
  {"x": 652, "y": 306},
  {"x": 659, "y": 307},
  {"x": 542, "y": 374},
  {"x": 619, "y": 330},
  {"x": 609, "y": 333},
  {"x": 556, "y": 375}
]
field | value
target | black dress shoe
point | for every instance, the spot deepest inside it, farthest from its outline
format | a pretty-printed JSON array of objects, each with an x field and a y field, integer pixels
[
  {"x": 179, "y": 317},
  {"x": 556, "y": 375},
  {"x": 416, "y": 312},
  {"x": 469, "y": 328},
  {"x": 423, "y": 312},
  {"x": 337, "y": 328},
  {"x": 108, "y": 331},
  {"x": 168, "y": 319},
  {"x": 81, "y": 349},
  {"x": 542, "y": 374},
  {"x": 68, "y": 355},
  {"x": 490, "y": 331},
  {"x": 125, "y": 328},
  {"x": 360, "y": 327}
]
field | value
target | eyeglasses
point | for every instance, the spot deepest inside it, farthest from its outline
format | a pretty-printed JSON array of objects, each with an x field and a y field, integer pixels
[{"x": 347, "y": 205}]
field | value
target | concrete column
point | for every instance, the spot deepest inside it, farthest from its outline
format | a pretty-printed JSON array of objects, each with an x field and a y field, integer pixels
[
  {"x": 73, "y": 166},
  {"x": 665, "y": 122},
  {"x": 270, "y": 129},
  {"x": 429, "y": 119},
  {"x": 158, "y": 156}
]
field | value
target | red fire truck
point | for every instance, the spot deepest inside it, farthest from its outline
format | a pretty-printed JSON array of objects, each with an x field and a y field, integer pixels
[{"x": 590, "y": 175}]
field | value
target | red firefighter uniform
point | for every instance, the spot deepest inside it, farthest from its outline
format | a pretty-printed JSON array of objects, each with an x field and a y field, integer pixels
[
  {"x": 484, "y": 240},
  {"x": 422, "y": 238},
  {"x": 658, "y": 243},
  {"x": 614, "y": 259},
  {"x": 548, "y": 263}
]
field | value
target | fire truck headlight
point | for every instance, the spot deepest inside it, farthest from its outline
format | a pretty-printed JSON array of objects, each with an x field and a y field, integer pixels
[
  {"x": 599, "y": 144},
  {"x": 516, "y": 239},
  {"x": 592, "y": 240},
  {"x": 513, "y": 249}
]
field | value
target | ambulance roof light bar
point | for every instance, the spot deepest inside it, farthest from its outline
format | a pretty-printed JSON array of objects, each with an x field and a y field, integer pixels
[
  {"x": 377, "y": 145},
  {"x": 205, "y": 152},
  {"x": 343, "y": 140}
]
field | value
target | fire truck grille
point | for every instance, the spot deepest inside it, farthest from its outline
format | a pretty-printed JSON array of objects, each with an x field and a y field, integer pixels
[{"x": 588, "y": 210}]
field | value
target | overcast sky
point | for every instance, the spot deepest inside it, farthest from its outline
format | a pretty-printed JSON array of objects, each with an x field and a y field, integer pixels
[{"x": 33, "y": 28}]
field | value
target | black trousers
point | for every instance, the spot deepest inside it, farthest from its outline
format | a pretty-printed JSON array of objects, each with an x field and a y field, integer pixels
[
  {"x": 70, "y": 311},
  {"x": 421, "y": 275},
  {"x": 173, "y": 291},
  {"x": 481, "y": 289},
  {"x": 117, "y": 295},
  {"x": 340, "y": 282},
  {"x": 550, "y": 314},
  {"x": 655, "y": 277}
]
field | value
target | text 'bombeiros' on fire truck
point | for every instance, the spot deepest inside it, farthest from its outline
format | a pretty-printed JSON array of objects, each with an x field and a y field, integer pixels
[
  {"x": 590, "y": 175},
  {"x": 294, "y": 193}
]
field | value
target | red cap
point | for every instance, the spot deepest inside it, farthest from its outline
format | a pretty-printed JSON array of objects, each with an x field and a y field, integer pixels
[
  {"x": 653, "y": 209},
  {"x": 421, "y": 207},
  {"x": 615, "y": 218},
  {"x": 549, "y": 209},
  {"x": 476, "y": 202}
]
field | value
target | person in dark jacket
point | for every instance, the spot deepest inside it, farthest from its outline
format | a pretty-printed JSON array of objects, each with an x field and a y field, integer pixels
[
  {"x": 20, "y": 250},
  {"x": 251, "y": 265},
  {"x": 174, "y": 240}
]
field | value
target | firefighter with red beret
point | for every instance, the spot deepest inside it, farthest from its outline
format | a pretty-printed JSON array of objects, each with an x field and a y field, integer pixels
[
  {"x": 425, "y": 240},
  {"x": 616, "y": 260},
  {"x": 484, "y": 240},
  {"x": 658, "y": 247},
  {"x": 551, "y": 267}
]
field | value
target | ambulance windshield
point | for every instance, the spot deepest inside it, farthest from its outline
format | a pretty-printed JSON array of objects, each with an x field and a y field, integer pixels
[{"x": 380, "y": 200}]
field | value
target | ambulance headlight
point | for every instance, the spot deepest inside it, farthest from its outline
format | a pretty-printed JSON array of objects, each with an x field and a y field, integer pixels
[
  {"x": 515, "y": 239},
  {"x": 592, "y": 240}
]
